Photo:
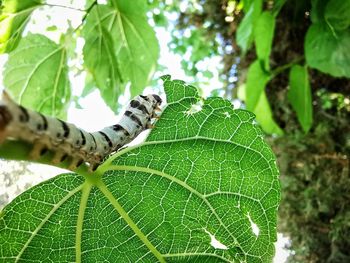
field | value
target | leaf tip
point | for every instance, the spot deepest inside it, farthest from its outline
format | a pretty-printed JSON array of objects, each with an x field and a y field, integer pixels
[{"x": 165, "y": 77}]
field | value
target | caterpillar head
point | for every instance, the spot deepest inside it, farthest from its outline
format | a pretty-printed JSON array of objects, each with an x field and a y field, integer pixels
[
  {"x": 153, "y": 100},
  {"x": 156, "y": 100}
]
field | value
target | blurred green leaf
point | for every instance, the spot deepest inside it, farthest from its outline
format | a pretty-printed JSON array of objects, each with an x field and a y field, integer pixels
[
  {"x": 244, "y": 36},
  {"x": 326, "y": 52},
  {"x": 100, "y": 56},
  {"x": 89, "y": 86},
  {"x": 51, "y": 28},
  {"x": 120, "y": 47},
  {"x": 14, "y": 15},
  {"x": 318, "y": 8},
  {"x": 257, "y": 79},
  {"x": 36, "y": 74},
  {"x": 263, "y": 34},
  {"x": 160, "y": 20},
  {"x": 208, "y": 74},
  {"x": 262, "y": 111},
  {"x": 264, "y": 116},
  {"x": 337, "y": 14},
  {"x": 277, "y": 6},
  {"x": 253, "y": 92},
  {"x": 299, "y": 95},
  {"x": 246, "y": 5}
]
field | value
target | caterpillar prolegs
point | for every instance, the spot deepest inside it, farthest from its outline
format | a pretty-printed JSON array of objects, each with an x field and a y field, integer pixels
[{"x": 68, "y": 141}]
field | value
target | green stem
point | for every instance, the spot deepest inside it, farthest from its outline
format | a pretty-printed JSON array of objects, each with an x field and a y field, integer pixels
[
  {"x": 124, "y": 214},
  {"x": 87, "y": 11},
  {"x": 86, "y": 189},
  {"x": 282, "y": 68}
]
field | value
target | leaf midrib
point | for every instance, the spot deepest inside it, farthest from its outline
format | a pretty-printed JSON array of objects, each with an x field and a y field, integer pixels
[
  {"x": 37, "y": 66},
  {"x": 181, "y": 183},
  {"x": 118, "y": 207},
  {"x": 107, "y": 163}
]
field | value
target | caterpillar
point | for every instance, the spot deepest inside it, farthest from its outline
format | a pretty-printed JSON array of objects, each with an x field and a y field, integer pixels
[{"x": 66, "y": 140}]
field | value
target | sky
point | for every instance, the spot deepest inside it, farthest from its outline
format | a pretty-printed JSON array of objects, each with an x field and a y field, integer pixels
[{"x": 88, "y": 117}]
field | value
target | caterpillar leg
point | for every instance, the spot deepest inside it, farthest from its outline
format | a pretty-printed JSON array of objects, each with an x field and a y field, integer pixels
[
  {"x": 93, "y": 167},
  {"x": 59, "y": 157},
  {"x": 5, "y": 96},
  {"x": 39, "y": 149},
  {"x": 76, "y": 162},
  {"x": 3, "y": 136},
  {"x": 5, "y": 119}
]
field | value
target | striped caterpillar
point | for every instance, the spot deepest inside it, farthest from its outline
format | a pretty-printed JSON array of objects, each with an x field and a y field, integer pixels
[{"x": 67, "y": 140}]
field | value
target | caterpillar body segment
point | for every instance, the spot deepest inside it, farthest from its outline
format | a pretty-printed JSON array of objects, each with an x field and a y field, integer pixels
[{"x": 68, "y": 141}]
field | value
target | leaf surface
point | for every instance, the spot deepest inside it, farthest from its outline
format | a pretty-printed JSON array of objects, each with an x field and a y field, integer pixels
[
  {"x": 318, "y": 8},
  {"x": 37, "y": 76},
  {"x": 201, "y": 175},
  {"x": 264, "y": 116},
  {"x": 263, "y": 36},
  {"x": 328, "y": 52},
  {"x": 277, "y": 6},
  {"x": 245, "y": 34},
  {"x": 257, "y": 79},
  {"x": 14, "y": 15},
  {"x": 337, "y": 14},
  {"x": 299, "y": 95},
  {"x": 262, "y": 111},
  {"x": 120, "y": 46}
]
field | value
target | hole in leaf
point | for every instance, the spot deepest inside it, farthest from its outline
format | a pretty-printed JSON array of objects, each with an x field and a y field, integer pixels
[
  {"x": 195, "y": 108},
  {"x": 255, "y": 228},
  {"x": 214, "y": 242},
  {"x": 227, "y": 115}
]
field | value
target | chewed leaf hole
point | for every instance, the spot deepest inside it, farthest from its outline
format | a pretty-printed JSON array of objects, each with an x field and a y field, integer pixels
[
  {"x": 214, "y": 242},
  {"x": 255, "y": 228},
  {"x": 227, "y": 115},
  {"x": 197, "y": 107}
]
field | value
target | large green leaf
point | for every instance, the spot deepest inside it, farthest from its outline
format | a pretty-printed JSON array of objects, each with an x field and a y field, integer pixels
[
  {"x": 257, "y": 79},
  {"x": 36, "y": 74},
  {"x": 263, "y": 35},
  {"x": 299, "y": 95},
  {"x": 245, "y": 34},
  {"x": 120, "y": 46},
  {"x": 14, "y": 15},
  {"x": 203, "y": 175},
  {"x": 327, "y": 52},
  {"x": 337, "y": 14}
]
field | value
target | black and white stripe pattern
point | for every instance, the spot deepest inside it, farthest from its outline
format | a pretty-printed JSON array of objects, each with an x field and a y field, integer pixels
[{"x": 66, "y": 140}]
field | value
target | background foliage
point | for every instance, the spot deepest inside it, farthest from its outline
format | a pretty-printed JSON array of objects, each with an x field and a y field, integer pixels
[{"x": 289, "y": 61}]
